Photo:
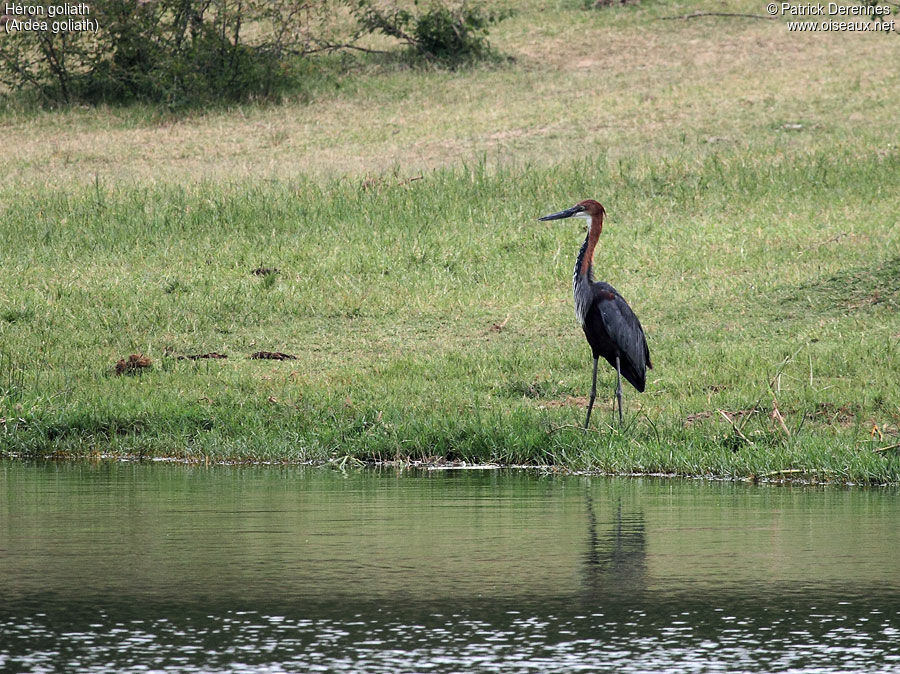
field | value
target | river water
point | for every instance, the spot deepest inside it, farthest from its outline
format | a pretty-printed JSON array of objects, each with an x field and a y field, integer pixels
[{"x": 116, "y": 567}]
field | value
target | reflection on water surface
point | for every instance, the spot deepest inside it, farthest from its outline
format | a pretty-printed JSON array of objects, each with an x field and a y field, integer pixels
[{"x": 119, "y": 567}]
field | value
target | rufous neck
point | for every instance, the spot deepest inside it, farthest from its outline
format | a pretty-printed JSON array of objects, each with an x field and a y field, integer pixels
[{"x": 585, "y": 263}]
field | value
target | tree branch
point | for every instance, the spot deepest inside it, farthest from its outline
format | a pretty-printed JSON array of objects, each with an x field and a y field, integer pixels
[{"x": 334, "y": 47}]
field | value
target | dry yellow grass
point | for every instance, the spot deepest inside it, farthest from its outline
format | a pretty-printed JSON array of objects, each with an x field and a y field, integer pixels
[{"x": 617, "y": 81}]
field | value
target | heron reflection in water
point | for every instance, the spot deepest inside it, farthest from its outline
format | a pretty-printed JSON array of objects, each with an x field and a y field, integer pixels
[{"x": 615, "y": 562}]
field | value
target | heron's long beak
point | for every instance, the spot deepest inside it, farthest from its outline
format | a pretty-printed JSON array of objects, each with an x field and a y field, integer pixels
[{"x": 568, "y": 213}]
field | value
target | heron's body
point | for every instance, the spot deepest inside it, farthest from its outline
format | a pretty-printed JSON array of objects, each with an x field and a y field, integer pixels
[
  {"x": 612, "y": 330},
  {"x": 610, "y": 327}
]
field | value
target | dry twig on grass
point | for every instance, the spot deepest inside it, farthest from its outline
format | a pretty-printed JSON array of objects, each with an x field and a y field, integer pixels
[
  {"x": 732, "y": 14},
  {"x": 737, "y": 431},
  {"x": 201, "y": 356},
  {"x": 776, "y": 416},
  {"x": 498, "y": 327},
  {"x": 833, "y": 239},
  {"x": 887, "y": 449}
]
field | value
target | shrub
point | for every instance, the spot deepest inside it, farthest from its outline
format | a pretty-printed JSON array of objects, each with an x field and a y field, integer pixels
[
  {"x": 189, "y": 52},
  {"x": 450, "y": 35},
  {"x": 172, "y": 51}
]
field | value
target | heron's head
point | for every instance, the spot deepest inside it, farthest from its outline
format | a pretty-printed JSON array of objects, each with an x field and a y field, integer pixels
[{"x": 588, "y": 209}]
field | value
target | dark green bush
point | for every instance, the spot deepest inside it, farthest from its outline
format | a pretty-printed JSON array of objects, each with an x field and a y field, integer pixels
[
  {"x": 178, "y": 52},
  {"x": 192, "y": 52},
  {"x": 450, "y": 35}
]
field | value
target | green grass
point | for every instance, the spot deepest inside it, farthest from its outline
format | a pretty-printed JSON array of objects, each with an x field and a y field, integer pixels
[
  {"x": 760, "y": 280},
  {"x": 750, "y": 179}
]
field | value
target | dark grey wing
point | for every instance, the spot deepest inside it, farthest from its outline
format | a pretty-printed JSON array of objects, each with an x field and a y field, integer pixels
[{"x": 625, "y": 332}]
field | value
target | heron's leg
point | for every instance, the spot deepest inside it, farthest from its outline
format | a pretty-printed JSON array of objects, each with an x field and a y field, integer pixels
[
  {"x": 619, "y": 387},
  {"x": 593, "y": 394}
]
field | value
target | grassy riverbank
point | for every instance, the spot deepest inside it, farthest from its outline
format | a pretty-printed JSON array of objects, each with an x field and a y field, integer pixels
[{"x": 753, "y": 227}]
